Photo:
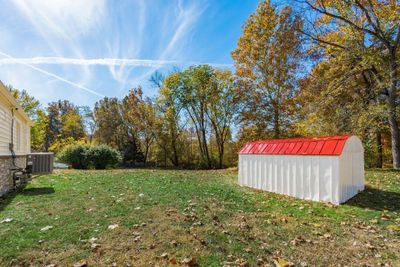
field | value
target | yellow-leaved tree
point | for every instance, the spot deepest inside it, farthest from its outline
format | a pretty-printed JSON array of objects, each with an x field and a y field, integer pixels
[{"x": 267, "y": 65}]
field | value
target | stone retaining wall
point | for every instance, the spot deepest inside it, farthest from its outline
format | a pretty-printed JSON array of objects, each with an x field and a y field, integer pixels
[{"x": 6, "y": 179}]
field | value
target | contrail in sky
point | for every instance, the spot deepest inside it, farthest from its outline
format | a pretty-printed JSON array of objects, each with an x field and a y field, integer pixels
[
  {"x": 12, "y": 60},
  {"x": 101, "y": 62}
]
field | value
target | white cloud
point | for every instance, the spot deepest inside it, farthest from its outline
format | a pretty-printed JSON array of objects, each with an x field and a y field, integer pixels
[
  {"x": 185, "y": 20},
  {"x": 64, "y": 18},
  {"x": 62, "y": 21}
]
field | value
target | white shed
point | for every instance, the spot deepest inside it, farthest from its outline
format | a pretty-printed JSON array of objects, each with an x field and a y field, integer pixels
[{"x": 329, "y": 169}]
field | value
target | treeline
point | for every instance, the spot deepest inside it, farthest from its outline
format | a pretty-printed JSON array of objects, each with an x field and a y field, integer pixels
[{"x": 313, "y": 68}]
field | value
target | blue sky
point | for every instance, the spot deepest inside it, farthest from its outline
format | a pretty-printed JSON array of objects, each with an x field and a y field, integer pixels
[{"x": 83, "y": 50}]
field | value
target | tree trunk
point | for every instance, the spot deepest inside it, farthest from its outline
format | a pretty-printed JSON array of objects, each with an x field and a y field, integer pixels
[
  {"x": 221, "y": 154},
  {"x": 395, "y": 139},
  {"x": 391, "y": 100},
  {"x": 379, "y": 151},
  {"x": 205, "y": 147},
  {"x": 277, "y": 131},
  {"x": 146, "y": 155},
  {"x": 175, "y": 159}
]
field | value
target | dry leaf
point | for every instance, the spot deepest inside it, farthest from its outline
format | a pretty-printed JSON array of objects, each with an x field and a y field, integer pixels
[
  {"x": 7, "y": 220},
  {"x": 113, "y": 226},
  {"x": 81, "y": 263},
  {"x": 393, "y": 227},
  {"x": 327, "y": 236},
  {"x": 46, "y": 228},
  {"x": 189, "y": 261},
  {"x": 94, "y": 247},
  {"x": 164, "y": 256},
  {"x": 283, "y": 263},
  {"x": 241, "y": 262},
  {"x": 368, "y": 245}
]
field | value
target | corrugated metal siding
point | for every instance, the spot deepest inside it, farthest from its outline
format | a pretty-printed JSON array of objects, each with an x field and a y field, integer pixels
[
  {"x": 307, "y": 177},
  {"x": 332, "y": 179}
]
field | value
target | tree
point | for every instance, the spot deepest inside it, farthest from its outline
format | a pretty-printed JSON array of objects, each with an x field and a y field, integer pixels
[
  {"x": 140, "y": 115},
  {"x": 63, "y": 123},
  {"x": 194, "y": 91},
  {"x": 35, "y": 112},
  {"x": 267, "y": 65},
  {"x": 337, "y": 97},
  {"x": 89, "y": 121},
  {"x": 170, "y": 123},
  {"x": 223, "y": 107},
  {"x": 375, "y": 24},
  {"x": 113, "y": 129}
]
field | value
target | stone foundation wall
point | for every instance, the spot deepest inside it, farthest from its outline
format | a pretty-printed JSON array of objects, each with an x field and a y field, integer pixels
[{"x": 6, "y": 179}]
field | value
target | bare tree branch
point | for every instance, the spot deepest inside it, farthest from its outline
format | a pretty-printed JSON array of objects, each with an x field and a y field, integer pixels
[
  {"x": 351, "y": 23},
  {"x": 323, "y": 41}
]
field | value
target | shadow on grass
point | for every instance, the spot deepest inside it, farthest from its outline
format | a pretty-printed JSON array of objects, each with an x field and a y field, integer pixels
[
  {"x": 8, "y": 198},
  {"x": 372, "y": 198},
  {"x": 37, "y": 191}
]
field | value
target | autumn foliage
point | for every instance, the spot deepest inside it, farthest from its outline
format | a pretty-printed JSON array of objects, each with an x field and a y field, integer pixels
[{"x": 311, "y": 68}]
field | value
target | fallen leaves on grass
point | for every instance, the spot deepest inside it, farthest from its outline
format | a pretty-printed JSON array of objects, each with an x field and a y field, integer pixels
[
  {"x": 7, "y": 220},
  {"x": 164, "y": 255},
  {"x": 369, "y": 246},
  {"x": 46, "y": 228},
  {"x": 280, "y": 262},
  {"x": 327, "y": 236},
  {"x": 241, "y": 262},
  {"x": 81, "y": 263},
  {"x": 136, "y": 236},
  {"x": 191, "y": 261},
  {"x": 299, "y": 239},
  {"x": 393, "y": 227},
  {"x": 385, "y": 217},
  {"x": 113, "y": 226},
  {"x": 94, "y": 247}
]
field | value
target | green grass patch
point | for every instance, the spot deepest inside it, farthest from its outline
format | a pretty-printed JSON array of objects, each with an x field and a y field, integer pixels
[{"x": 200, "y": 214}]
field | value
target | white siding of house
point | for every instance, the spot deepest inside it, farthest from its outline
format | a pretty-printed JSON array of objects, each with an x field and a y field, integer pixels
[
  {"x": 5, "y": 126},
  {"x": 21, "y": 131}
]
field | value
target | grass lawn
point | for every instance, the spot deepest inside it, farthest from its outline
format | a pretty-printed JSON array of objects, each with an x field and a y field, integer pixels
[{"x": 167, "y": 217}]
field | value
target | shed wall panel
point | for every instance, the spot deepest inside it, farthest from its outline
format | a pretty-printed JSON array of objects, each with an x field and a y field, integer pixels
[{"x": 320, "y": 178}]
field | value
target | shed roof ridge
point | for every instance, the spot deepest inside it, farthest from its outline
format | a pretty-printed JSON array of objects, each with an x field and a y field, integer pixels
[
  {"x": 311, "y": 138},
  {"x": 323, "y": 145}
]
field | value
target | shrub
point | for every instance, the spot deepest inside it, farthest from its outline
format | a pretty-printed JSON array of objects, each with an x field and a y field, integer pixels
[
  {"x": 84, "y": 156},
  {"x": 60, "y": 144},
  {"x": 76, "y": 156},
  {"x": 103, "y": 156}
]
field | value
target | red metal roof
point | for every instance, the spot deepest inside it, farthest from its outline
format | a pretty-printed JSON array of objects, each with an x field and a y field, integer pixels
[{"x": 327, "y": 145}]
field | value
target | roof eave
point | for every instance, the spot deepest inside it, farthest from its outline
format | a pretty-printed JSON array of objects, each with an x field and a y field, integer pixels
[{"x": 13, "y": 103}]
